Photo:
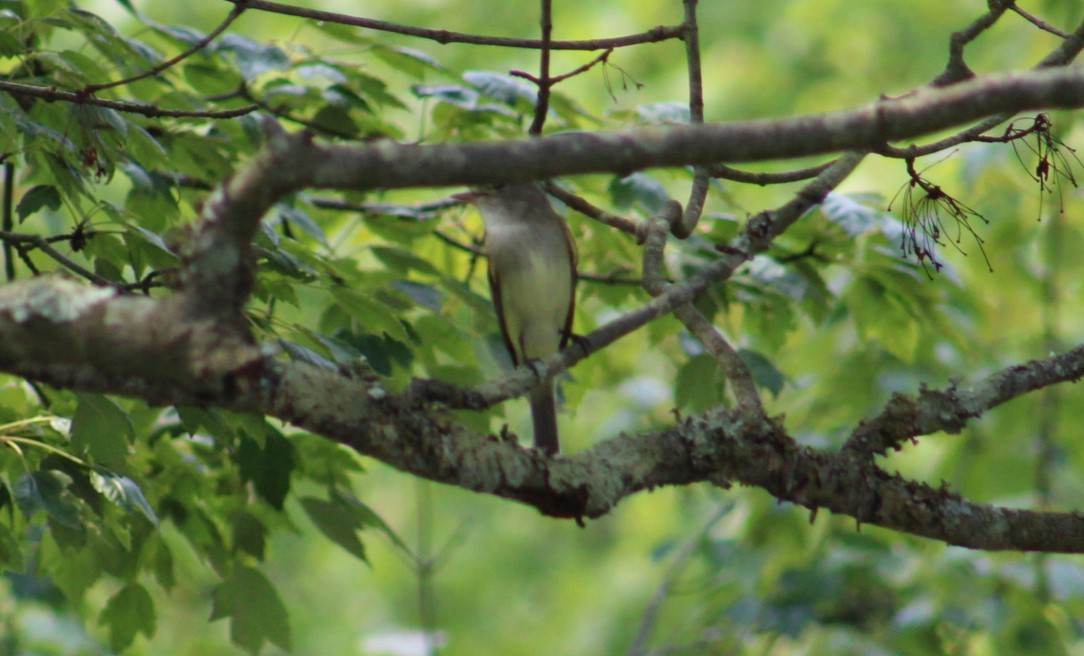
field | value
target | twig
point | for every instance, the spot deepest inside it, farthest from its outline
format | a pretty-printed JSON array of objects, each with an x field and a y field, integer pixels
[
  {"x": 757, "y": 236},
  {"x": 432, "y": 209},
  {"x": 199, "y": 45},
  {"x": 737, "y": 175},
  {"x": 602, "y": 58},
  {"x": 957, "y": 68},
  {"x": 698, "y": 192},
  {"x": 1060, "y": 56},
  {"x": 654, "y": 35},
  {"x": 1042, "y": 25},
  {"x": 949, "y": 410},
  {"x": 7, "y": 222},
  {"x": 150, "y": 111},
  {"x": 42, "y": 244},
  {"x": 589, "y": 210},
  {"x": 728, "y": 359},
  {"x": 542, "y": 99}
]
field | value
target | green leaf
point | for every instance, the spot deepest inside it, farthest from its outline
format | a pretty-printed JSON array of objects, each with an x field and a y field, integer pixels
[
  {"x": 101, "y": 429},
  {"x": 426, "y": 296},
  {"x": 412, "y": 62},
  {"x": 883, "y": 315},
  {"x": 268, "y": 468},
  {"x": 339, "y": 522},
  {"x": 253, "y": 58},
  {"x": 210, "y": 80},
  {"x": 509, "y": 90},
  {"x": 382, "y": 352},
  {"x": 256, "y": 612},
  {"x": 764, "y": 372},
  {"x": 403, "y": 260},
  {"x": 664, "y": 113},
  {"x": 47, "y": 491},
  {"x": 335, "y": 120},
  {"x": 639, "y": 190},
  {"x": 699, "y": 384},
  {"x": 10, "y": 45},
  {"x": 850, "y": 213},
  {"x": 453, "y": 94},
  {"x": 11, "y": 554},
  {"x": 127, "y": 613},
  {"x": 37, "y": 198},
  {"x": 127, "y": 4},
  {"x": 123, "y": 491},
  {"x": 151, "y": 247},
  {"x": 376, "y": 89},
  {"x": 373, "y": 315},
  {"x": 159, "y": 559},
  {"x": 297, "y": 217},
  {"x": 210, "y": 420},
  {"x": 249, "y": 534},
  {"x": 182, "y": 34},
  {"x": 300, "y": 353}
]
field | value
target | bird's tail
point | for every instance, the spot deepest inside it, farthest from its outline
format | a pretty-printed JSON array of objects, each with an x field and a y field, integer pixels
[{"x": 544, "y": 417}]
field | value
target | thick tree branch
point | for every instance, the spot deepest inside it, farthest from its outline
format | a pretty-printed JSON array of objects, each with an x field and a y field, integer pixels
[
  {"x": 1065, "y": 53},
  {"x": 389, "y": 165},
  {"x": 187, "y": 349},
  {"x": 949, "y": 410},
  {"x": 59, "y": 332}
]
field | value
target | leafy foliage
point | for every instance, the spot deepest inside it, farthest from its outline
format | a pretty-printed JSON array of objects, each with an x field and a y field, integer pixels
[{"x": 115, "y": 512}]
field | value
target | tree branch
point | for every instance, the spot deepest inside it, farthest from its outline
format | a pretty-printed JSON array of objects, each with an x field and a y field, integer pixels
[
  {"x": 59, "y": 332},
  {"x": 84, "y": 98},
  {"x": 388, "y": 165},
  {"x": 949, "y": 410},
  {"x": 654, "y": 35}
]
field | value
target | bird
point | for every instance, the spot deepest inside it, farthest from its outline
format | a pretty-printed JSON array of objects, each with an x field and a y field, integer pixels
[{"x": 532, "y": 279}]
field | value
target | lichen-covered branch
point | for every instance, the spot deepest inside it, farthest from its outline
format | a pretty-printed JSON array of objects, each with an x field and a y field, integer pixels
[
  {"x": 949, "y": 410},
  {"x": 63, "y": 333}
]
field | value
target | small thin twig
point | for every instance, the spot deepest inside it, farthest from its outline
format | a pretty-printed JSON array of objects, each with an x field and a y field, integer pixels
[
  {"x": 1041, "y": 24},
  {"x": 725, "y": 172},
  {"x": 7, "y": 222},
  {"x": 199, "y": 45},
  {"x": 698, "y": 192},
  {"x": 654, "y": 35},
  {"x": 42, "y": 244},
  {"x": 599, "y": 59},
  {"x": 591, "y": 211},
  {"x": 728, "y": 359},
  {"x": 957, "y": 69},
  {"x": 286, "y": 116},
  {"x": 429, "y": 210},
  {"x": 542, "y": 99},
  {"x": 150, "y": 111}
]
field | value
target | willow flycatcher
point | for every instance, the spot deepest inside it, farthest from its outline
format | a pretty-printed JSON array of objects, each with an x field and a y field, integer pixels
[{"x": 532, "y": 278}]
